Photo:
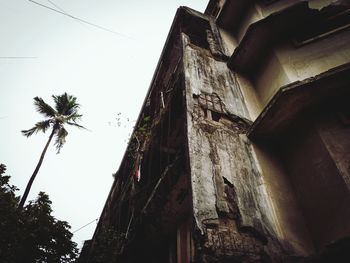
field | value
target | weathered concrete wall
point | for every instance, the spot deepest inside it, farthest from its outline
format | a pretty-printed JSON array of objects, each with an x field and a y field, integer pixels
[
  {"x": 265, "y": 10},
  {"x": 288, "y": 63},
  {"x": 270, "y": 79},
  {"x": 315, "y": 57},
  {"x": 224, "y": 240},
  {"x": 210, "y": 76},
  {"x": 251, "y": 17},
  {"x": 321, "y": 190},
  {"x": 336, "y": 138},
  {"x": 226, "y": 182},
  {"x": 259, "y": 11},
  {"x": 229, "y": 40},
  {"x": 290, "y": 222},
  {"x": 253, "y": 102},
  {"x": 219, "y": 154},
  {"x": 251, "y": 96}
]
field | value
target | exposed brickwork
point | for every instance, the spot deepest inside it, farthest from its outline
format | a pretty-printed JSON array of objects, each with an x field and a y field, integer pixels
[{"x": 224, "y": 241}]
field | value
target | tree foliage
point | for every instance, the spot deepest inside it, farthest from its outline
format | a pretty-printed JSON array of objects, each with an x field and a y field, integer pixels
[{"x": 31, "y": 234}]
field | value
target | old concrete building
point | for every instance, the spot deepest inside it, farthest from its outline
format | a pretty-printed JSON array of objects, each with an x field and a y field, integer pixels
[{"x": 241, "y": 152}]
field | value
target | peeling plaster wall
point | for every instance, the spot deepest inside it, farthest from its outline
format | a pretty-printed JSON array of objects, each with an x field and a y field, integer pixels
[
  {"x": 204, "y": 201},
  {"x": 219, "y": 152},
  {"x": 211, "y": 76},
  {"x": 251, "y": 96}
]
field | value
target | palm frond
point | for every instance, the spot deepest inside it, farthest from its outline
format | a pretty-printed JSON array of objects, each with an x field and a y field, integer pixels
[
  {"x": 73, "y": 106},
  {"x": 29, "y": 132},
  {"x": 43, "y": 125},
  {"x": 39, "y": 126},
  {"x": 60, "y": 138},
  {"x": 58, "y": 99},
  {"x": 76, "y": 125},
  {"x": 66, "y": 104},
  {"x": 44, "y": 108},
  {"x": 74, "y": 117}
]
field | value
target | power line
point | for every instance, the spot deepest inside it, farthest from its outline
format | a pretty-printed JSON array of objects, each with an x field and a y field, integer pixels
[
  {"x": 79, "y": 19},
  {"x": 62, "y": 10},
  {"x": 95, "y": 220},
  {"x": 55, "y": 5}
]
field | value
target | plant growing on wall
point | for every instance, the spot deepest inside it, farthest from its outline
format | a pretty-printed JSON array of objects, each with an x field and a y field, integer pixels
[{"x": 140, "y": 135}]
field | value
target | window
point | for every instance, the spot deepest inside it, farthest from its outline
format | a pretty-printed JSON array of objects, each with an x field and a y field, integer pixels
[
  {"x": 211, "y": 102},
  {"x": 208, "y": 106}
]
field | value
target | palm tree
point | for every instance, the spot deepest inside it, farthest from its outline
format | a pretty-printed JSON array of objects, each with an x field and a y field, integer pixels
[{"x": 65, "y": 112}]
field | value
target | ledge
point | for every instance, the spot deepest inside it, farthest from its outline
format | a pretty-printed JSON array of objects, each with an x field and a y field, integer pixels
[
  {"x": 262, "y": 35},
  {"x": 296, "y": 98}
]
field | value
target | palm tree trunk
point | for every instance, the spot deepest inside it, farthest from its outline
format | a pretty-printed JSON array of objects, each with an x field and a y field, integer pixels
[{"x": 31, "y": 180}]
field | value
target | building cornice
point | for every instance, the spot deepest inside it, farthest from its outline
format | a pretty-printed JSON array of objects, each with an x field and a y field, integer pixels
[
  {"x": 261, "y": 36},
  {"x": 295, "y": 99}
]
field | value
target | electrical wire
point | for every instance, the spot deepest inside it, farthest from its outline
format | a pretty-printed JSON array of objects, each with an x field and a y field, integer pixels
[
  {"x": 95, "y": 220},
  {"x": 79, "y": 19},
  {"x": 62, "y": 10},
  {"x": 55, "y": 5}
]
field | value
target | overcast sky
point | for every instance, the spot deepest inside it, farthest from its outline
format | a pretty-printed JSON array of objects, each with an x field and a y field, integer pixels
[{"x": 44, "y": 53}]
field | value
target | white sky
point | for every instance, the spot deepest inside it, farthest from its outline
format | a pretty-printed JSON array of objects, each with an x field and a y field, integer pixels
[{"x": 108, "y": 73}]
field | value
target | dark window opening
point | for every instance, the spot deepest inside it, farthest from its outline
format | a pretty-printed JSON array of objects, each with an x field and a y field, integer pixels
[
  {"x": 208, "y": 106},
  {"x": 211, "y": 102},
  {"x": 200, "y": 41},
  {"x": 215, "y": 116}
]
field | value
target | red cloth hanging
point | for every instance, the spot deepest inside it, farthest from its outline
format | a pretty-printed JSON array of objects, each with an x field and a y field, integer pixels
[{"x": 138, "y": 172}]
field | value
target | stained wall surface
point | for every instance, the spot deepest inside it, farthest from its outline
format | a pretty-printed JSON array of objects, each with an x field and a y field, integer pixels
[{"x": 226, "y": 182}]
